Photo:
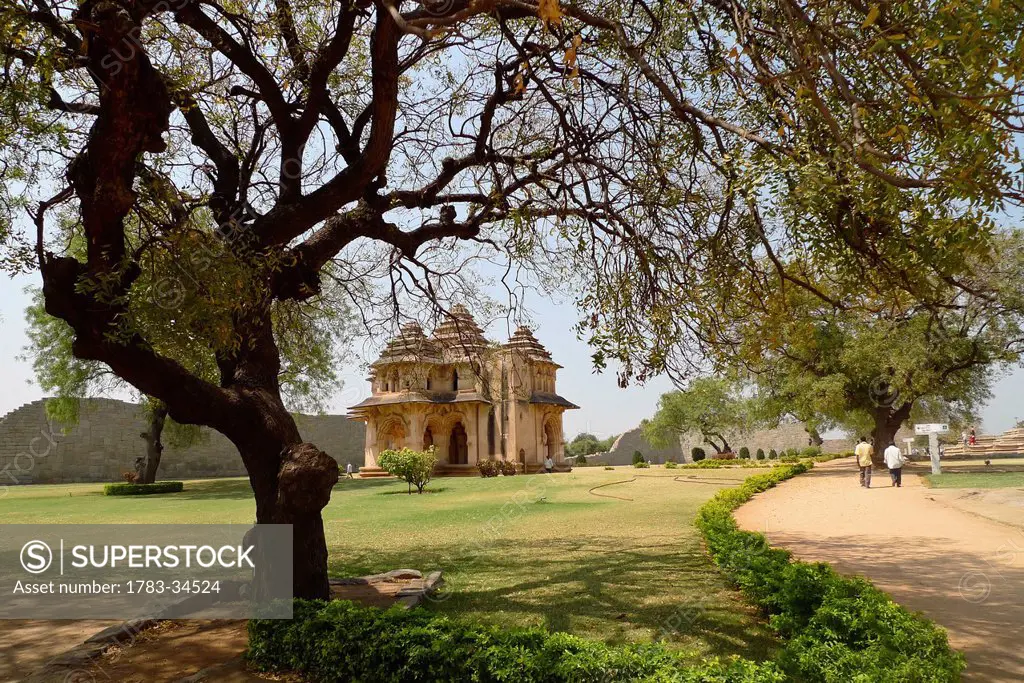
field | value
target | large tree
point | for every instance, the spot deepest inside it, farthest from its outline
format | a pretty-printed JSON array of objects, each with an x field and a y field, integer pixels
[
  {"x": 363, "y": 141},
  {"x": 712, "y": 408},
  {"x": 875, "y": 367}
]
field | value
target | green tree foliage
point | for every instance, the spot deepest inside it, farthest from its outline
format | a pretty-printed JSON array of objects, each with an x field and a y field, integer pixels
[
  {"x": 581, "y": 459},
  {"x": 585, "y": 443},
  {"x": 638, "y": 457},
  {"x": 874, "y": 370},
  {"x": 709, "y": 407},
  {"x": 760, "y": 454},
  {"x": 744, "y": 453},
  {"x": 416, "y": 468},
  {"x": 773, "y": 454}
]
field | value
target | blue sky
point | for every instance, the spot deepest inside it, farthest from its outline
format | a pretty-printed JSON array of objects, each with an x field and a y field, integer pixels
[{"x": 605, "y": 408}]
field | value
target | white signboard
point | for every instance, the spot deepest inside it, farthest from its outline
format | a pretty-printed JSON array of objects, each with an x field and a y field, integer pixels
[{"x": 925, "y": 429}]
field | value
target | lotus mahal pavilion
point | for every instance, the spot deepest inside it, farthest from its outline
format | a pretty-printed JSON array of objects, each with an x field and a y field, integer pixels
[{"x": 471, "y": 399}]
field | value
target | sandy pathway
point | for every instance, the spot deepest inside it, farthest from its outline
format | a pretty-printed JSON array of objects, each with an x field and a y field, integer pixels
[{"x": 964, "y": 571}]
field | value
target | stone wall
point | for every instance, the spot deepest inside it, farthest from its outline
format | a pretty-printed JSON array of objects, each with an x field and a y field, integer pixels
[
  {"x": 622, "y": 450},
  {"x": 781, "y": 438},
  {"x": 106, "y": 442}
]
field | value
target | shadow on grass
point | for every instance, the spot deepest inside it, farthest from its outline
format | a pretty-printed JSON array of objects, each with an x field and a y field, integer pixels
[
  {"x": 239, "y": 489},
  {"x": 665, "y": 591},
  {"x": 414, "y": 492}
]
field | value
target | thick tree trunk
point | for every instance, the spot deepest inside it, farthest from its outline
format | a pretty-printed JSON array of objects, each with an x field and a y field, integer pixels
[
  {"x": 887, "y": 423},
  {"x": 291, "y": 482},
  {"x": 146, "y": 468},
  {"x": 814, "y": 437}
]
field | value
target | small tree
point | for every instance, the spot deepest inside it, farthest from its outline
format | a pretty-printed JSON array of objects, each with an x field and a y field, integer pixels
[
  {"x": 415, "y": 467},
  {"x": 772, "y": 454},
  {"x": 581, "y": 459},
  {"x": 709, "y": 407},
  {"x": 697, "y": 453},
  {"x": 760, "y": 454},
  {"x": 638, "y": 457},
  {"x": 744, "y": 453}
]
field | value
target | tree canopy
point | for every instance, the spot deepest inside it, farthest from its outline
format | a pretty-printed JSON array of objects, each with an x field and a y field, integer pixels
[
  {"x": 586, "y": 443},
  {"x": 711, "y": 408},
  {"x": 873, "y": 368}
]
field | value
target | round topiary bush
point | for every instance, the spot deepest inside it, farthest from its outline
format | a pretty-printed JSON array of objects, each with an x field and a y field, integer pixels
[
  {"x": 773, "y": 455},
  {"x": 760, "y": 454},
  {"x": 581, "y": 459},
  {"x": 744, "y": 453},
  {"x": 697, "y": 453}
]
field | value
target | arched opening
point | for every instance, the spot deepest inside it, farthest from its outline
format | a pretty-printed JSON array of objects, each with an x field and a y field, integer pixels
[
  {"x": 428, "y": 382},
  {"x": 458, "y": 446},
  {"x": 549, "y": 440},
  {"x": 492, "y": 432},
  {"x": 392, "y": 436},
  {"x": 522, "y": 456},
  {"x": 428, "y": 438},
  {"x": 455, "y": 380}
]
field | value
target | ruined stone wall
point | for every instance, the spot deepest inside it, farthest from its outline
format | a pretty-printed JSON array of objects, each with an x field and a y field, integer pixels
[
  {"x": 622, "y": 450},
  {"x": 106, "y": 441},
  {"x": 781, "y": 438}
]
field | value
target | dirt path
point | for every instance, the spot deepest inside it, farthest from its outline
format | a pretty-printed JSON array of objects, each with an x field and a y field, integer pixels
[{"x": 962, "y": 570}]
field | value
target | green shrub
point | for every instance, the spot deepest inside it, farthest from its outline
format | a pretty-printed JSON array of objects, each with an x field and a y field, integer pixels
[
  {"x": 414, "y": 467},
  {"x": 760, "y": 454},
  {"x": 697, "y": 453},
  {"x": 788, "y": 457},
  {"x": 643, "y": 465},
  {"x": 581, "y": 460},
  {"x": 638, "y": 457},
  {"x": 609, "y": 467},
  {"x": 508, "y": 468},
  {"x": 792, "y": 452},
  {"x": 773, "y": 455},
  {"x": 838, "y": 628},
  {"x": 125, "y": 489},
  {"x": 342, "y": 641},
  {"x": 744, "y": 453},
  {"x": 488, "y": 468},
  {"x": 670, "y": 465},
  {"x": 811, "y": 452}
]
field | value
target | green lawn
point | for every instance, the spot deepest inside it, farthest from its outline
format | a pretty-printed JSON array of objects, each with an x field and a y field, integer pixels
[
  {"x": 528, "y": 550},
  {"x": 976, "y": 480}
]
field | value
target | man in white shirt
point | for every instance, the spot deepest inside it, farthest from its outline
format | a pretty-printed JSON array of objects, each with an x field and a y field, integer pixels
[
  {"x": 549, "y": 465},
  {"x": 895, "y": 461}
]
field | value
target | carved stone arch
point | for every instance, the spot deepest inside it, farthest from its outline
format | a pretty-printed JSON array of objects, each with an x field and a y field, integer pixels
[{"x": 392, "y": 431}]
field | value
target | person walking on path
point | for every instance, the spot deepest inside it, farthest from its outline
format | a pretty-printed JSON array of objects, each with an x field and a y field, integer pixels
[
  {"x": 864, "y": 452},
  {"x": 895, "y": 461},
  {"x": 549, "y": 465}
]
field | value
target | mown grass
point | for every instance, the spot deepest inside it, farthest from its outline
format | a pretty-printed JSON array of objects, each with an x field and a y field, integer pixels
[
  {"x": 524, "y": 551},
  {"x": 975, "y": 480}
]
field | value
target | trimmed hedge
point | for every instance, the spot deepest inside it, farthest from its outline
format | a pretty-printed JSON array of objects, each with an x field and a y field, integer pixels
[
  {"x": 125, "y": 489},
  {"x": 342, "y": 641},
  {"x": 837, "y": 628}
]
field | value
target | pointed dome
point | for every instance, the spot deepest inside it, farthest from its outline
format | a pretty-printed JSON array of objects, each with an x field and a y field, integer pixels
[
  {"x": 460, "y": 333},
  {"x": 524, "y": 342},
  {"x": 411, "y": 345}
]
